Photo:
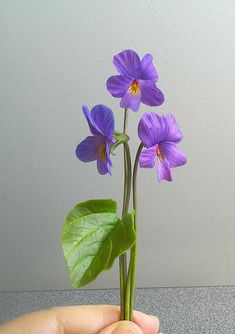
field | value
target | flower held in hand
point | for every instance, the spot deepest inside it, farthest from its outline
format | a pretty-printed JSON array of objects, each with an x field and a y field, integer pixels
[
  {"x": 97, "y": 146},
  {"x": 160, "y": 134},
  {"x": 136, "y": 82}
]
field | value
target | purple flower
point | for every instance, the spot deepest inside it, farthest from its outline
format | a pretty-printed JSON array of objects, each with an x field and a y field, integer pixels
[
  {"x": 97, "y": 146},
  {"x": 136, "y": 82},
  {"x": 160, "y": 134}
]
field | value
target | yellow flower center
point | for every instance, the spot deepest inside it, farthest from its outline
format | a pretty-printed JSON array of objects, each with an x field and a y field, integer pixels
[
  {"x": 102, "y": 152},
  {"x": 134, "y": 88},
  {"x": 159, "y": 154}
]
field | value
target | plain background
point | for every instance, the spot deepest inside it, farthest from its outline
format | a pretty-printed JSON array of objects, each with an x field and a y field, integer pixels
[{"x": 57, "y": 55}]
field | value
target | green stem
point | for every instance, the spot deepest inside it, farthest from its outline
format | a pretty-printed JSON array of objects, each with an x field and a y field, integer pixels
[
  {"x": 122, "y": 268},
  {"x": 131, "y": 279},
  {"x": 128, "y": 162},
  {"x": 126, "y": 171},
  {"x": 125, "y": 121},
  {"x": 128, "y": 183},
  {"x": 126, "y": 199}
]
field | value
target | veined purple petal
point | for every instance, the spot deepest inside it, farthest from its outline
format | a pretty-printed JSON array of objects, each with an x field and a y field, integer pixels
[
  {"x": 109, "y": 161},
  {"x": 173, "y": 133},
  {"x": 108, "y": 144},
  {"x": 150, "y": 94},
  {"x": 173, "y": 154},
  {"x": 130, "y": 101},
  {"x": 151, "y": 129},
  {"x": 103, "y": 119},
  {"x": 89, "y": 119},
  {"x": 109, "y": 164},
  {"x": 148, "y": 157},
  {"x": 87, "y": 150},
  {"x": 148, "y": 71},
  {"x": 118, "y": 85},
  {"x": 103, "y": 167},
  {"x": 127, "y": 63},
  {"x": 164, "y": 171}
]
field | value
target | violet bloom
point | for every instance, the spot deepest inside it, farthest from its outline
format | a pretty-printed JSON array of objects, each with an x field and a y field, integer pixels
[
  {"x": 136, "y": 82},
  {"x": 160, "y": 134},
  {"x": 97, "y": 146}
]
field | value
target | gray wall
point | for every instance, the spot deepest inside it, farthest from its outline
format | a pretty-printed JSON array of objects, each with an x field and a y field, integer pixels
[{"x": 56, "y": 56}]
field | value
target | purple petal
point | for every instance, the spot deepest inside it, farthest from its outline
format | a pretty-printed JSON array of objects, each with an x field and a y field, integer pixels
[
  {"x": 150, "y": 94},
  {"x": 108, "y": 146},
  {"x": 118, "y": 85},
  {"x": 127, "y": 63},
  {"x": 87, "y": 150},
  {"x": 109, "y": 164},
  {"x": 173, "y": 154},
  {"x": 147, "y": 157},
  {"x": 130, "y": 101},
  {"x": 89, "y": 119},
  {"x": 173, "y": 134},
  {"x": 103, "y": 167},
  {"x": 103, "y": 119},
  {"x": 164, "y": 171},
  {"x": 148, "y": 71},
  {"x": 151, "y": 129}
]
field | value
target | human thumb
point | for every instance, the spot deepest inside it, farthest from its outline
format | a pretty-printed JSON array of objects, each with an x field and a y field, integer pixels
[{"x": 122, "y": 327}]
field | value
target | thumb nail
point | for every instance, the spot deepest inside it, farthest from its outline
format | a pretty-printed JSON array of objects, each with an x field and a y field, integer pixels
[{"x": 126, "y": 327}]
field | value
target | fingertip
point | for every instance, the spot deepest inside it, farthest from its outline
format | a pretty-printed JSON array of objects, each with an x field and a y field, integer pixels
[
  {"x": 149, "y": 323},
  {"x": 122, "y": 327}
]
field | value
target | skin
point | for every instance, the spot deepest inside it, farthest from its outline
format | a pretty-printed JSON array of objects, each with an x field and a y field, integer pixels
[{"x": 92, "y": 319}]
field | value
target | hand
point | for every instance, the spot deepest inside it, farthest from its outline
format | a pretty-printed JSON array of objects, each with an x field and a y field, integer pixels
[{"x": 93, "y": 319}]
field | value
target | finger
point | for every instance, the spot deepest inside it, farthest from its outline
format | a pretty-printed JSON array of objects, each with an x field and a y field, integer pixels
[
  {"x": 87, "y": 319},
  {"x": 93, "y": 318},
  {"x": 78, "y": 320},
  {"x": 149, "y": 323},
  {"x": 122, "y": 327}
]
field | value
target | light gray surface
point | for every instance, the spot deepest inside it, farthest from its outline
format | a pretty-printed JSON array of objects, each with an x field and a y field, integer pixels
[
  {"x": 181, "y": 310},
  {"x": 57, "y": 55}
]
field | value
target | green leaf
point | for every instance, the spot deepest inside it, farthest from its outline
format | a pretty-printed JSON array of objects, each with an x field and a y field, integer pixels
[
  {"x": 93, "y": 237},
  {"x": 92, "y": 206}
]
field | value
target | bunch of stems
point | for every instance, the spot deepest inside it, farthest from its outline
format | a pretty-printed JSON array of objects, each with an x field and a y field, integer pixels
[{"x": 128, "y": 277}]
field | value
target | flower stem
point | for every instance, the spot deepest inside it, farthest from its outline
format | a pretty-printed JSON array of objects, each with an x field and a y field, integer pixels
[
  {"x": 126, "y": 199},
  {"x": 131, "y": 279},
  {"x": 128, "y": 162},
  {"x": 125, "y": 120}
]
